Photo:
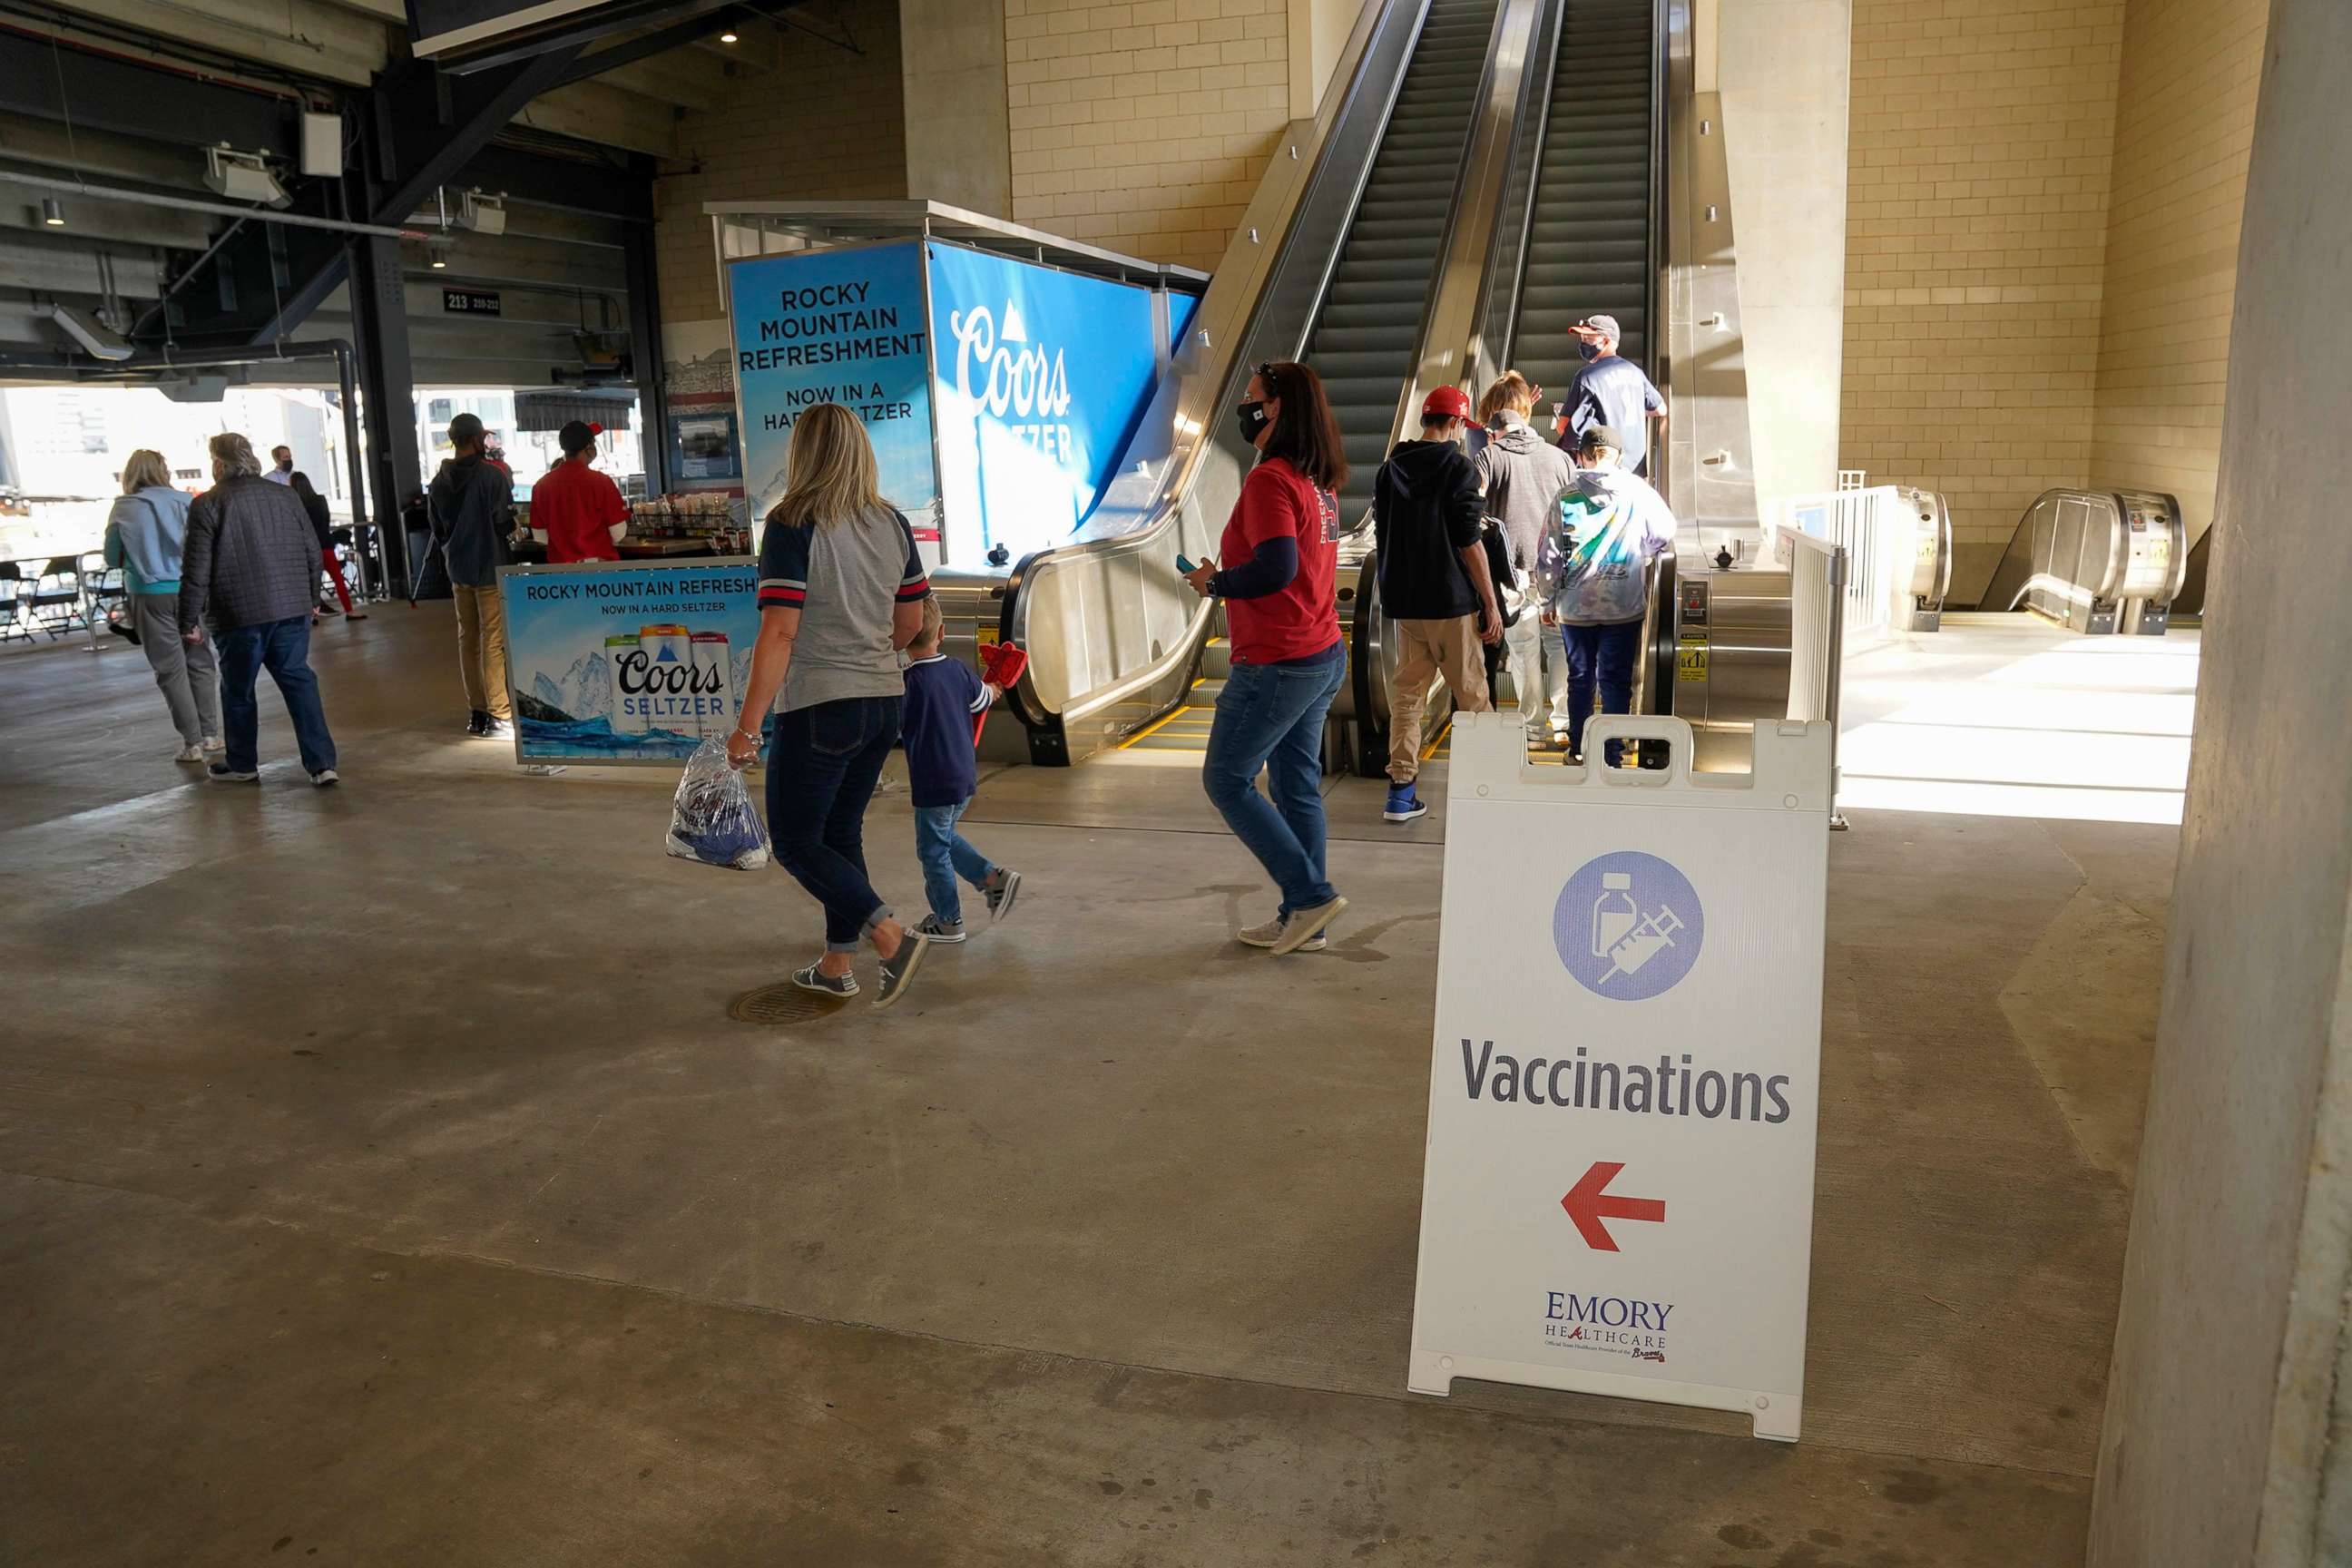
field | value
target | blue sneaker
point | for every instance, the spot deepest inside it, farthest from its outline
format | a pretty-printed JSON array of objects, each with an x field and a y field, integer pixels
[{"x": 1403, "y": 805}]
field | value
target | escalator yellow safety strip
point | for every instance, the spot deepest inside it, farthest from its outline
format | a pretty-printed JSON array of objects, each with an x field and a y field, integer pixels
[
  {"x": 1159, "y": 724},
  {"x": 1444, "y": 732}
]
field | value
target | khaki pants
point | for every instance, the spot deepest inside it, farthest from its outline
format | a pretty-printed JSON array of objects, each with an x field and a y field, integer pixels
[
  {"x": 1426, "y": 649},
  {"x": 482, "y": 649}
]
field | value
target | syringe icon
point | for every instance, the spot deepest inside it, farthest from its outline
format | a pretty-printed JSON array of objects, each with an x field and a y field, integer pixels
[{"x": 1641, "y": 944}]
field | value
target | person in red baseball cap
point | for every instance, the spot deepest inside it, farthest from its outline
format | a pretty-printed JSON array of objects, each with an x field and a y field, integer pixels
[{"x": 1435, "y": 583}]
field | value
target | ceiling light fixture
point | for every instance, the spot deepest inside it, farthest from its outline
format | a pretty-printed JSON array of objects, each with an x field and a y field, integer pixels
[
  {"x": 729, "y": 37},
  {"x": 243, "y": 177},
  {"x": 437, "y": 252},
  {"x": 53, "y": 212}
]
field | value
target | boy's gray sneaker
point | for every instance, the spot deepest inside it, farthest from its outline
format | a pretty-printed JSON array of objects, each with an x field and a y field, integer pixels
[
  {"x": 1304, "y": 925},
  {"x": 1002, "y": 890},
  {"x": 898, "y": 972},
  {"x": 939, "y": 930},
  {"x": 809, "y": 979},
  {"x": 1269, "y": 933}
]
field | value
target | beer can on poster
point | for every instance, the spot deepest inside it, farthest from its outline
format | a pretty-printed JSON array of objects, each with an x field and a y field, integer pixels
[
  {"x": 623, "y": 657},
  {"x": 669, "y": 676},
  {"x": 714, "y": 684}
]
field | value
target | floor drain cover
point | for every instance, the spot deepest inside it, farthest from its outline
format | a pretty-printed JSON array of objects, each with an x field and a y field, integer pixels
[{"x": 781, "y": 1004}]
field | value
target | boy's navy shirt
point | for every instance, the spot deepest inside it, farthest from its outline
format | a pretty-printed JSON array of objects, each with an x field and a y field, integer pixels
[{"x": 942, "y": 695}]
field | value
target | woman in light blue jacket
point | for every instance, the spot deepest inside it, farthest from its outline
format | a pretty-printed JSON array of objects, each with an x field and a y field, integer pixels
[{"x": 145, "y": 534}]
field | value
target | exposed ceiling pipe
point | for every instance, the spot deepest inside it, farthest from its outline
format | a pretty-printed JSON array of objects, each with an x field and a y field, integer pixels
[{"x": 195, "y": 204}]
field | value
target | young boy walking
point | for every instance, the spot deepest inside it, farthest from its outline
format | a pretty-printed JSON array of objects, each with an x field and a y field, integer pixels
[{"x": 943, "y": 699}]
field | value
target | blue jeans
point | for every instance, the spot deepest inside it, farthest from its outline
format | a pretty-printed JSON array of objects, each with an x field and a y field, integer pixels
[
  {"x": 1270, "y": 716},
  {"x": 1602, "y": 656},
  {"x": 282, "y": 647},
  {"x": 823, "y": 766},
  {"x": 947, "y": 855}
]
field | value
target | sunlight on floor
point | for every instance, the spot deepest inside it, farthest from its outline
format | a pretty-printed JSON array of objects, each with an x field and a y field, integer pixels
[{"x": 2007, "y": 716}]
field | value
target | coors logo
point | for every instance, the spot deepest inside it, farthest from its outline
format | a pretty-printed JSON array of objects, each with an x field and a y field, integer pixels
[{"x": 1021, "y": 385}]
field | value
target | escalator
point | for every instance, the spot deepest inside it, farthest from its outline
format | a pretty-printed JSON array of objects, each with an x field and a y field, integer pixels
[
  {"x": 2095, "y": 561},
  {"x": 1589, "y": 247},
  {"x": 1575, "y": 239},
  {"x": 1375, "y": 250},
  {"x": 1368, "y": 331},
  {"x": 1335, "y": 262}
]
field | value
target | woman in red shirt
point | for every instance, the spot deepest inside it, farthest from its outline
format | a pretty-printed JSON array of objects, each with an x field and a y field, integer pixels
[
  {"x": 1277, "y": 570},
  {"x": 575, "y": 511}
]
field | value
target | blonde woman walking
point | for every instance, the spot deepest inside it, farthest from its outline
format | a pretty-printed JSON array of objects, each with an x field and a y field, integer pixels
[
  {"x": 145, "y": 534},
  {"x": 841, "y": 592}
]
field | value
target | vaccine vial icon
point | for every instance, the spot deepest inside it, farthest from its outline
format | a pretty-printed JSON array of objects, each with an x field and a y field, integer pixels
[
  {"x": 1614, "y": 912},
  {"x": 1628, "y": 926}
]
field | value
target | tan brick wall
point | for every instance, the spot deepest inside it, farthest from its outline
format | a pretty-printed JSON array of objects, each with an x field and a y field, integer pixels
[
  {"x": 1977, "y": 209},
  {"x": 2184, "y": 126},
  {"x": 825, "y": 124},
  {"x": 1144, "y": 127}
]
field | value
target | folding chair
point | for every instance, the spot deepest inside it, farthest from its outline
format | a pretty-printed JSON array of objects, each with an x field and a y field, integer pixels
[
  {"x": 15, "y": 603},
  {"x": 105, "y": 589},
  {"x": 57, "y": 597}
]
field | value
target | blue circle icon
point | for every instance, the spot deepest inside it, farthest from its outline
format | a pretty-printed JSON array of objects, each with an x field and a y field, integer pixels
[{"x": 1628, "y": 926}]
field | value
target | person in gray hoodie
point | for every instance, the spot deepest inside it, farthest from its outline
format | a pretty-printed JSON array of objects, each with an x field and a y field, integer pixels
[
  {"x": 145, "y": 533},
  {"x": 471, "y": 504},
  {"x": 1524, "y": 477}
]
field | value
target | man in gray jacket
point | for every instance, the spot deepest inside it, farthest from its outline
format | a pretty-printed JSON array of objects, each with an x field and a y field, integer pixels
[
  {"x": 1524, "y": 477},
  {"x": 250, "y": 573}
]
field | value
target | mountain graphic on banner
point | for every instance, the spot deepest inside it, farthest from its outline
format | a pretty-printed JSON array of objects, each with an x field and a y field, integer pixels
[
  {"x": 585, "y": 691},
  {"x": 1015, "y": 330}
]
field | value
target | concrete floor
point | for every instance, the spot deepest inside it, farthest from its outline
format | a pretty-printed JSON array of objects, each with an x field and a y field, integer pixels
[{"x": 381, "y": 1182}]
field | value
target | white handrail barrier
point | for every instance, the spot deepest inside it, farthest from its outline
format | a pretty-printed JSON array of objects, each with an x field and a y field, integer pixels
[{"x": 1618, "y": 1196}]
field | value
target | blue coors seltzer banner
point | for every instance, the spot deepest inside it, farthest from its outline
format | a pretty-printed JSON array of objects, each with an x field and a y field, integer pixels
[
  {"x": 626, "y": 664},
  {"x": 1040, "y": 376},
  {"x": 836, "y": 326}
]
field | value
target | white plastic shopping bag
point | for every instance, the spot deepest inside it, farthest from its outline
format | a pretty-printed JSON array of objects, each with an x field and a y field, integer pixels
[{"x": 712, "y": 819}]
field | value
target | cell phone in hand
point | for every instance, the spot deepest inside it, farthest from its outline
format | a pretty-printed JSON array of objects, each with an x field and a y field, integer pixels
[{"x": 1184, "y": 566}]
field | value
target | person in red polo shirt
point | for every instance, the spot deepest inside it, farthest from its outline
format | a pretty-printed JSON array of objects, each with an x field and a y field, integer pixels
[
  {"x": 575, "y": 511},
  {"x": 1275, "y": 570}
]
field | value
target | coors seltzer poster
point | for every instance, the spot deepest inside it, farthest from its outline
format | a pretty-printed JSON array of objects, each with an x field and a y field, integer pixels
[{"x": 627, "y": 664}]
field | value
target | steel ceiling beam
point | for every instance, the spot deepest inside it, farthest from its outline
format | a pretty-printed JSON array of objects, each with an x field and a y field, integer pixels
[{"x": 95, "y": 92}]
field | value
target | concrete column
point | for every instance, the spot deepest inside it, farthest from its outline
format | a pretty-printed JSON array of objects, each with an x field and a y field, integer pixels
[
  {"x": 959, "y": 117},
  {"x": 2227, "y": 1440},
  {"x": 1783, "y": 68}
]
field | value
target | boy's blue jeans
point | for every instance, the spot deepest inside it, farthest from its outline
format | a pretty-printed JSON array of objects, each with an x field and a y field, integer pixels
[{"x": 947, "y": 855}]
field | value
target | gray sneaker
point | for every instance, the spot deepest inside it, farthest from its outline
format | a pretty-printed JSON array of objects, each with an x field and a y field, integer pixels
[
  {"x": 1005, "y": 888},
  {"x": 1304, "y": 925},
  {"x": 939, "y": 930},
  {"x": 1269, "y": 933},
  {"x": 898, "y": 972},
  {"x": 826, "y": 985}
]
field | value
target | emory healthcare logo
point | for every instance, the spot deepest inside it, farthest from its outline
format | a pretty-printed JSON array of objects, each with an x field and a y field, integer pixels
[
  {"x": 1628, "y": 926},
  {"x": 1606, "y": 1325}
]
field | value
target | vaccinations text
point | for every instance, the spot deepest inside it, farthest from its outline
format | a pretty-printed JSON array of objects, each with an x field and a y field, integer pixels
[{"x": 1670, "y": 1089}]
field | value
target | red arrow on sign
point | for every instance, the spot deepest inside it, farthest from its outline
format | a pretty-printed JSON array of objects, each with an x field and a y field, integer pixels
[{"x": 1588, "y": 1207}]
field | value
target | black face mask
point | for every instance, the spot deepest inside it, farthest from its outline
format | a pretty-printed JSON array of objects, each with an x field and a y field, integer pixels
[{"x": 1254, "y": 420}]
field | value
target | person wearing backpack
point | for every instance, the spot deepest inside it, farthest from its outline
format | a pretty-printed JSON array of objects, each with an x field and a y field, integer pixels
[
  {"x": 1434, "y": 582},
  {"x": 1525, "y": 478}
]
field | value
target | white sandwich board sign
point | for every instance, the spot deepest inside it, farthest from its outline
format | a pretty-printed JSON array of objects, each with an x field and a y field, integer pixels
[{"x": 1618, "y": 1196}]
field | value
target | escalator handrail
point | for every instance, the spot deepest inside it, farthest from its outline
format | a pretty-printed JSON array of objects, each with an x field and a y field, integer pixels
[{"x": 1198, "y": 397}]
